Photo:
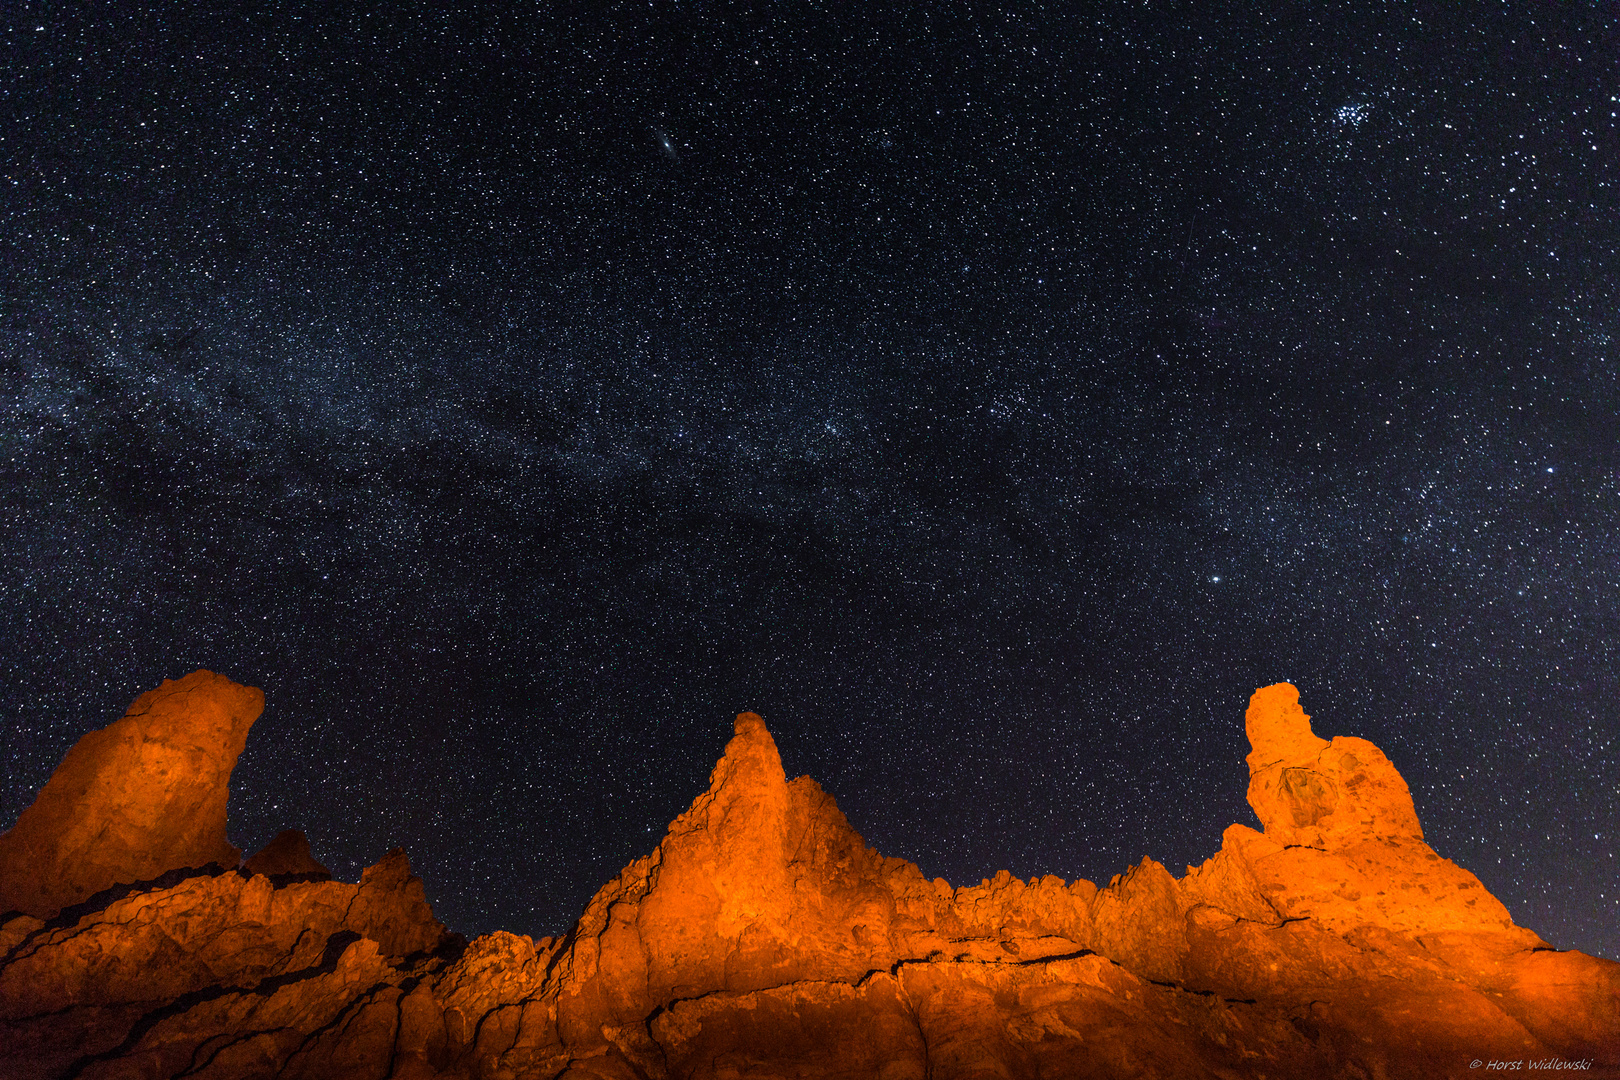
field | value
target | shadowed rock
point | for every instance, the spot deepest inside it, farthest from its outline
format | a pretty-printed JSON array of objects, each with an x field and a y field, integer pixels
[{"x": 287, "y": 854}]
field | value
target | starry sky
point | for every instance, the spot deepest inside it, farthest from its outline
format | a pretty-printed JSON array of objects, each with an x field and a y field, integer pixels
[{"x": 990, "y": 396}]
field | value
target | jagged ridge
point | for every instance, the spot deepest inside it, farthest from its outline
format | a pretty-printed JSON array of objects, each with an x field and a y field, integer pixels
[{"x": 764, "y": 938}]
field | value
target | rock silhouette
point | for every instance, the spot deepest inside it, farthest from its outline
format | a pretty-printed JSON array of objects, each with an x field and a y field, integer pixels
[
  {"x": 763, "y": 938},
  {"x": 289, "y": 854}
]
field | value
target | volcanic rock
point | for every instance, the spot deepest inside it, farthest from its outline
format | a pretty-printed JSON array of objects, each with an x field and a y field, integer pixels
[
  {"x": 135, "y": 799},
  {"x": 762, "y": 938}
]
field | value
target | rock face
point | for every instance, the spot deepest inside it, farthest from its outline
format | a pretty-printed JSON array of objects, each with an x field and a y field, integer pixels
[
  {"x": 139, "y": 797},
  {"x": 764, "y": 939},
  {"x": 217, "y": 970}
]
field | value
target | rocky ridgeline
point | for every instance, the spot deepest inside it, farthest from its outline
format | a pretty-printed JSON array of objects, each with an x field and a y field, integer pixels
[{"x": 763, "y": 938}]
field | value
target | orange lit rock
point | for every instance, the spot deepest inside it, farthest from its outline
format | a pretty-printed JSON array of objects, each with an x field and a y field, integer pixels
[
  {"x": 390, "y": 907},
  {"x": 760, "y": 883},
  {"x": 1140, "y": 921},
  {"x": 1342, "y": 844},
  {"x": 763, "y": 938},
  {"x": 1306, "y": 790},
  {"x": 242, "y": 953},
  {"x": 289, "y": 854},
  {"x": 137, "y": 798}
]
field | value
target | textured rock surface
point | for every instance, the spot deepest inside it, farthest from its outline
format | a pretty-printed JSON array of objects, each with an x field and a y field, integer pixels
[
  {"x": 219, "y": 970},
  {"x": 139, "y": 797},
  {"x": 764, "y": 939},
  {"x": 1306, "y": 790}
]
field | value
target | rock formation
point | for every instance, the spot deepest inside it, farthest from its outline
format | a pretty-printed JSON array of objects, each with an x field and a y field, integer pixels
[
  {"x": 762, "y": 938},
  {"x": 288, "y": 854},
  {"x": 139, "y": 797},
  {"x": 1308, "y": 791}
]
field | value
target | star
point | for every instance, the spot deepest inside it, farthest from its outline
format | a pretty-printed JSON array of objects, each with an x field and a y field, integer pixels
[{"x": 513, "y": 446}]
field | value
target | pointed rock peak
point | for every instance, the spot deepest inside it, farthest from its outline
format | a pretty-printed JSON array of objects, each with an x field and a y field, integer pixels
[
  {"x": 392, "y": 871},
  {"x": 745, "y": 805},
  {"x": 391, "y": 908},
  {"x": 1278, "y": 728},
  {"x": 134, "y": 800},
  {"x": 751, "y": 761},
  {"x": 288, "y": 853}
]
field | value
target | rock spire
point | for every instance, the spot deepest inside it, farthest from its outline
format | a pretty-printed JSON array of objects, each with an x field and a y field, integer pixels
[{"x": 140, "y": 797}]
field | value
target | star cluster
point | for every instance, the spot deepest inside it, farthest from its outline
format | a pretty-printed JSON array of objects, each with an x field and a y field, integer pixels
[{"x": 991, "y": 398}]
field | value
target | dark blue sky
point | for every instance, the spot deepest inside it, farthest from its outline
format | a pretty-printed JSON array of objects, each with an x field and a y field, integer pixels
[{"x": 991, "y": 398}]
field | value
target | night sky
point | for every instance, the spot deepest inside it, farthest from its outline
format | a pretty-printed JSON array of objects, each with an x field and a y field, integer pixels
[{"x": 991, "y": 397}]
